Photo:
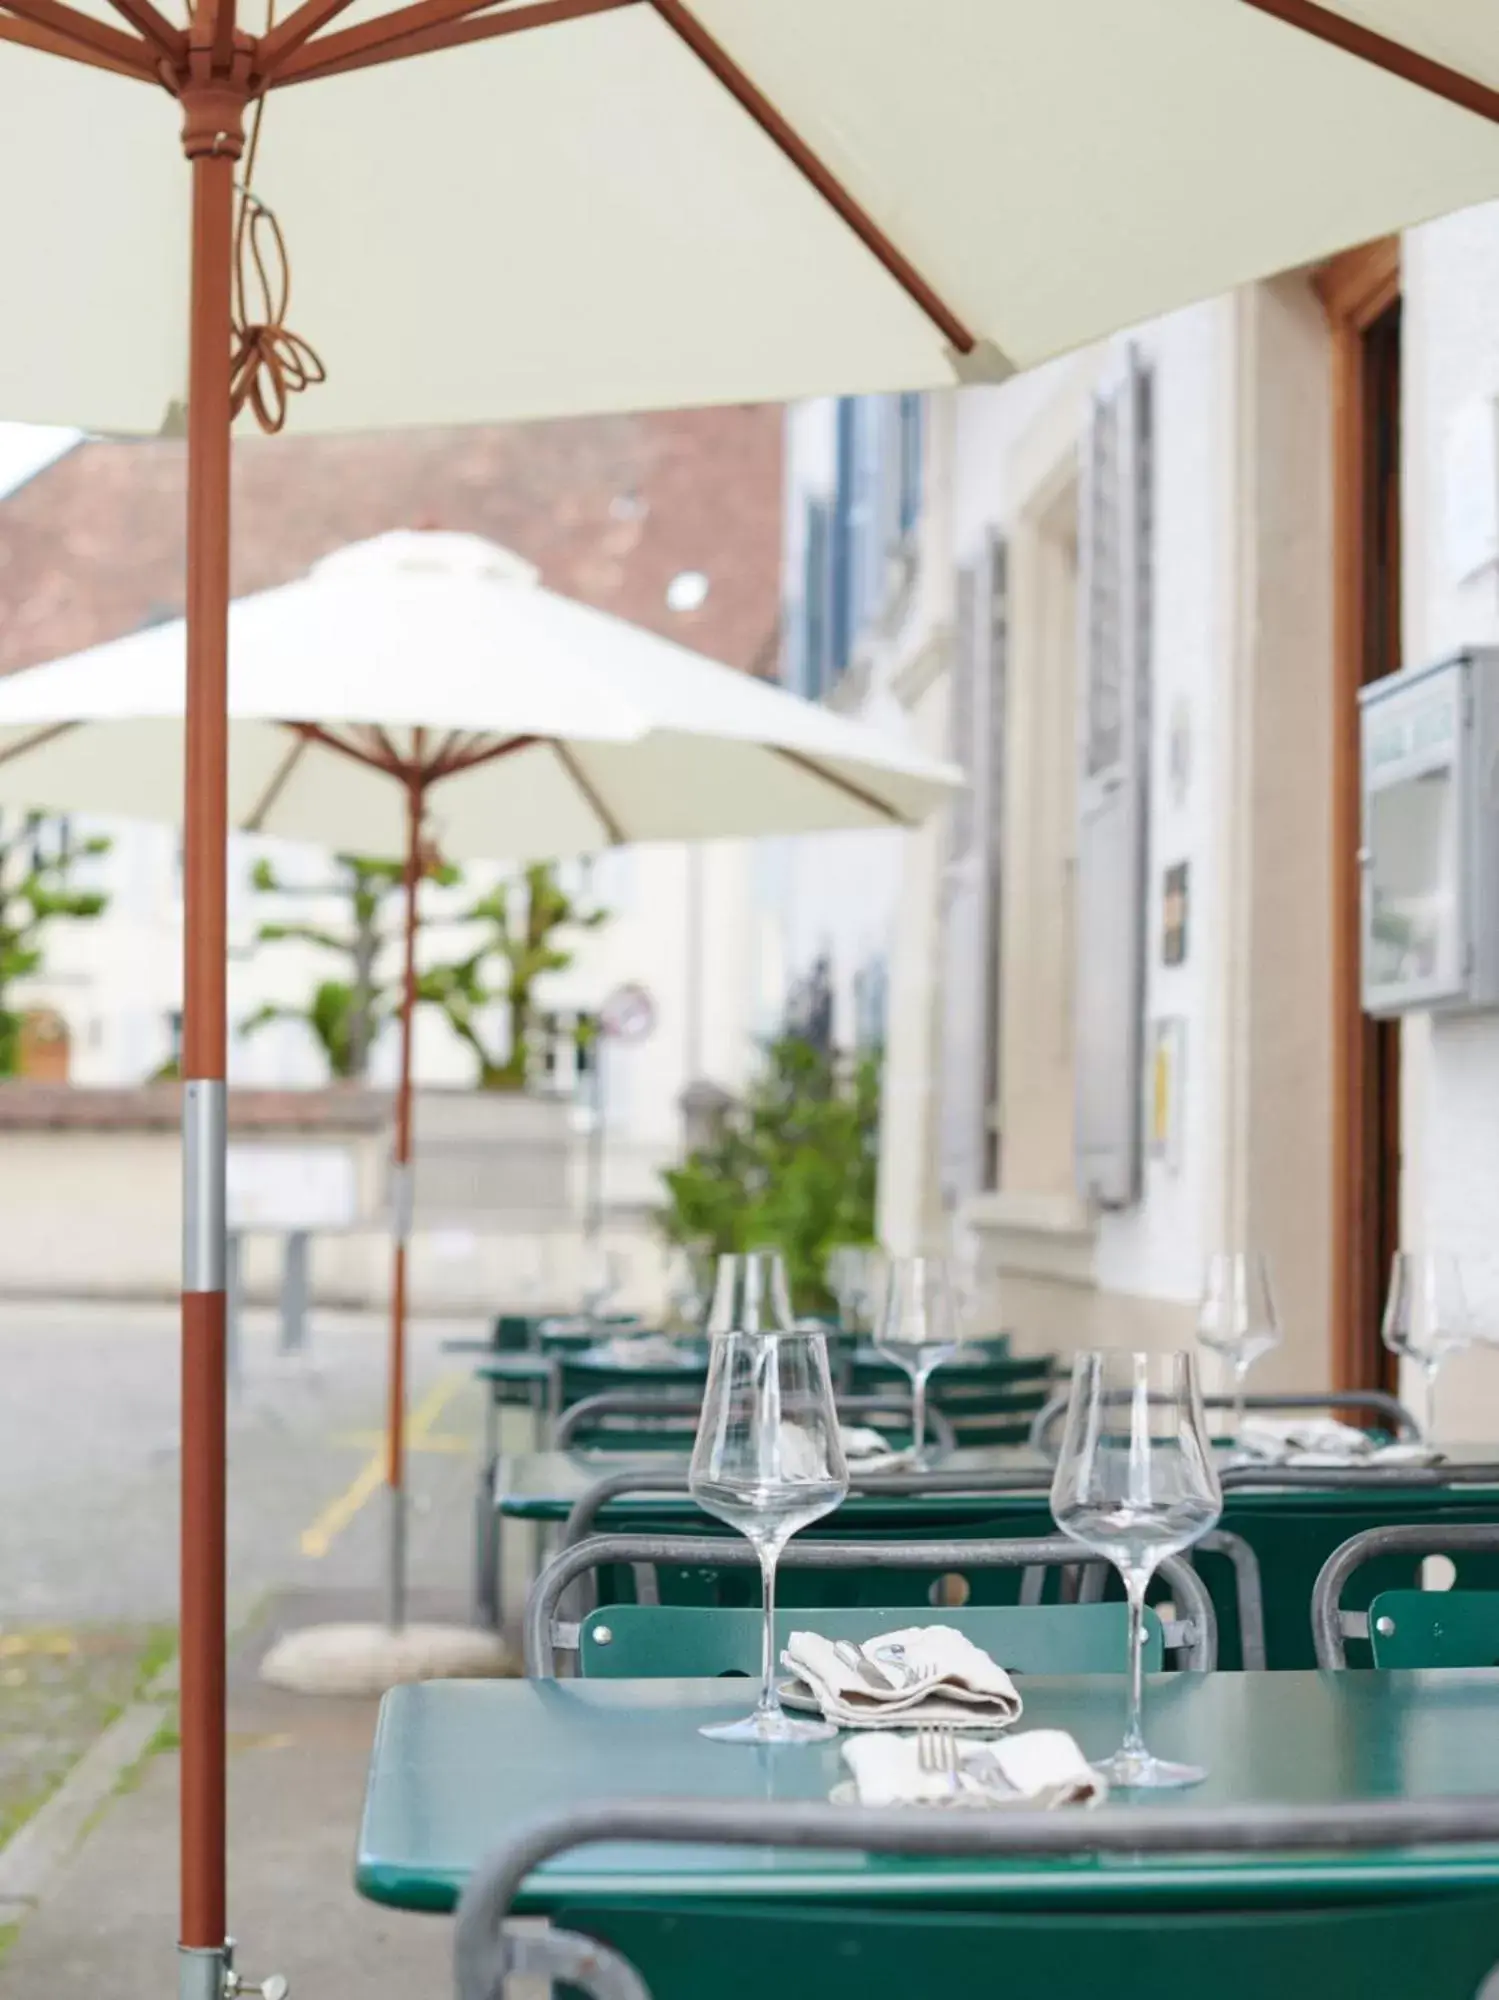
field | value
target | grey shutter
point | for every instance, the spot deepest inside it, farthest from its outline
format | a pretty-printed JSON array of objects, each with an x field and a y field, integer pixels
[
  {"x": 1114, "y": 557},
  {"x": 969, "y": 1059}
]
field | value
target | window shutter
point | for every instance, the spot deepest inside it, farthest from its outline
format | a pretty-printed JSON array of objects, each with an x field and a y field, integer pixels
[
  {"x": 841, "y": 611},
  {"x": 969, "y": 1063},
  {"x": 816, "y": 649},
  {"x": 1114, "y": 581}
]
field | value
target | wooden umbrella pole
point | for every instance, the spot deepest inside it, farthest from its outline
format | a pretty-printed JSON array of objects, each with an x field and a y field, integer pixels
[
  {"x": 212, "y": 139},
  {"x": 401, "y": 1193}
]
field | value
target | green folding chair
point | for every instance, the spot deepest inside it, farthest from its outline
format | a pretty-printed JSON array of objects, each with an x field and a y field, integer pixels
[
  {"x": 1406, "y": 1627},
  {"x": 648, "y": 1639}
]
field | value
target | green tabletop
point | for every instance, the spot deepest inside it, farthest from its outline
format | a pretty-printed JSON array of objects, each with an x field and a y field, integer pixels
[
  {"x": 459, "y": 1765},
  {"x": 543, "y": 1485}
]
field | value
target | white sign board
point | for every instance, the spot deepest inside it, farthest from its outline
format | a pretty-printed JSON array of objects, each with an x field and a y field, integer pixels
[{"x": 292, "y": 1187}]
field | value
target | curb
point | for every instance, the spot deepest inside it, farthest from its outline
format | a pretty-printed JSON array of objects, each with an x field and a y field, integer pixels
[{"x": 31, "y": 1859}]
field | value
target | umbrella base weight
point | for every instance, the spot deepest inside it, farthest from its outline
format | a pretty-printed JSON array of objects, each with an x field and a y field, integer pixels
[{"x": 368, "y": 1659}]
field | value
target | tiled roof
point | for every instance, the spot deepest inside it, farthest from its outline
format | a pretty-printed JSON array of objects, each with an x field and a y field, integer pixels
[{"x": 610, "y": 509}]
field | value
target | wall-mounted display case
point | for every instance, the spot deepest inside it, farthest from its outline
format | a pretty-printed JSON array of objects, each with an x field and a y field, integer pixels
[{"x": 1430, "y": 853}]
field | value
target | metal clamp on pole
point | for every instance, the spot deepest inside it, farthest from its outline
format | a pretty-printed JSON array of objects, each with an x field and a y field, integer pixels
[
  {"x": 205, "y": 1263},
  {"x": 402, "y": 1199}
]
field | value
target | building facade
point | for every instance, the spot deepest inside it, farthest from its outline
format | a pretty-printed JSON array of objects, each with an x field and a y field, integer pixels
[{"x": 1136, "y": 594}]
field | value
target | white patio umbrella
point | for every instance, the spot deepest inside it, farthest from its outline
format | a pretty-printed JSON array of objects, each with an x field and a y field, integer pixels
[
  {"x": 424, "y": 683},
  {"x": 605, "y": 204}
]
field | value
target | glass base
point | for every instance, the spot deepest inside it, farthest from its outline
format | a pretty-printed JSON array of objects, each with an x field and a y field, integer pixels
[
  {"x": 1137, "y": 1770},
  {"x": 771, "y": 1725}
]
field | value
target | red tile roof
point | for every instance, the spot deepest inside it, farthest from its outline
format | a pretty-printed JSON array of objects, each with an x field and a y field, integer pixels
[{"x": 609, "y": 508}]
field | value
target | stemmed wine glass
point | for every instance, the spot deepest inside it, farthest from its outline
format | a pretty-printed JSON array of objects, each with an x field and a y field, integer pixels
[
  {"x": 1134, "y": 1483},
  {"x": 852, "y": 1272},
  {"x": 600, "y": 1279},
  {"x": 918, "y": 1331},
  {"x": 767, "y": 1459},
  {"x": 1426, "y": 1316},
  {"x": 1236, "y": 1316}
]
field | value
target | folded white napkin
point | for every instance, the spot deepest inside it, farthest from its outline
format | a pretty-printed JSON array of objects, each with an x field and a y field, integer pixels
[
  {"x": 1041, "y": 1767},
  {"x": 645, "y": 1350},
  {"x": 936, "y": 1674},
  {"x": 869, "y": 1450},
  {"x": 1324, "y": 1441}
]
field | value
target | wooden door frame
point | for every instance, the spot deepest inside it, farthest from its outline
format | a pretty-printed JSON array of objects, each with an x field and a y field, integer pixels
[{"x": 1355, "y": 289}]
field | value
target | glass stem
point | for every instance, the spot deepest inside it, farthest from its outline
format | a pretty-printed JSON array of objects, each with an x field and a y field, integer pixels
[
  {"x": 1135, "y": 1581},
  {"x": 1430, "y": 1371},
  {"x": 918, "y": 1414},
  {"x": 1241, "y": 1371},
  {"x": 769, "y": 1702}
]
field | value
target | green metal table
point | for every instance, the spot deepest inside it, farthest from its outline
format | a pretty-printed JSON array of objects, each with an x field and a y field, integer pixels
[
  {"x": 1292, "y": 1529},
  {"x": 459, "y": 1766}
]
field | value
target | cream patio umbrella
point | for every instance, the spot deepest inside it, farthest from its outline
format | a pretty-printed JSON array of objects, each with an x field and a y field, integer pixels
[
  {"x": 425, "y": 685},
  {"x": 600, "y": 204}
]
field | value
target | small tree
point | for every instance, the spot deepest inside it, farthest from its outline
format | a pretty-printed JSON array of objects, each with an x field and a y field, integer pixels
[
  {"x": 345, "y": 1015},
  {"x": 522, "y": 924},
  {"x": 794, "y": 1165},
  {"x": 37, "y": 858}
]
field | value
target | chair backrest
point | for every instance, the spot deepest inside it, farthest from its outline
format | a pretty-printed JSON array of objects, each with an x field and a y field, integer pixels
[
  {"x": 667, "y": 1420},
  {"x": 1435, "y": 1628},
  {"x": 1440, "y": 1946},
  {"x": 1046, "y": 1426},
  {"x": 1332, "y": 1626},
  {"x": 1192, "y": 1630},
  {"x": 699, "y": 1641}
]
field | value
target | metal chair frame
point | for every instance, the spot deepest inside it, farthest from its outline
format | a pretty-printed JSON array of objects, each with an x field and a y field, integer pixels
[
  {"x": 1331, "y": 1625},
  {"x": 485, "y": 1950},
  {"x": 1193, "y": 1632}
]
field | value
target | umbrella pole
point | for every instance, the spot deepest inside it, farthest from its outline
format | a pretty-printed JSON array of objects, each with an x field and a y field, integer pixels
[
  {"x": 212, "y": 139},
  {"x": 401, "y": 1210}
]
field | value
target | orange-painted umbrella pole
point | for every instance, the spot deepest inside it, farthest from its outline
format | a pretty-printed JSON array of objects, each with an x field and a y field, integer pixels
[
  {"x": 212, "y": 138},
  {"x": 401, "y": 1206}
]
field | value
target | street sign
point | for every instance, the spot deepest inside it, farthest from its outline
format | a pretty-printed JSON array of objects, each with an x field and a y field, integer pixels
[{"x": 628, "y": 1015}]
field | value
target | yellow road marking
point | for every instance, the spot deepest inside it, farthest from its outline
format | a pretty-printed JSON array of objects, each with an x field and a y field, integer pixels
[
  {"x": 336, "y": 1516},
  {"x": 439, "y": 1442}
]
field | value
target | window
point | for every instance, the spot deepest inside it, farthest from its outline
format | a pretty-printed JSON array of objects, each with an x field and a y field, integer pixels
[{"x": 909, "y": 426}]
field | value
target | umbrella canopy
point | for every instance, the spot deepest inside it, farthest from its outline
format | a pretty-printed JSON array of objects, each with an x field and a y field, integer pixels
[
  {"x": 547, "y": 727},
  {"x": 425, "y": 683},
  {"x": 610, "y": 204}
]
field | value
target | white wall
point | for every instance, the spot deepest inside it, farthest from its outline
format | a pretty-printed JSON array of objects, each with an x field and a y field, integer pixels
[{"x": 1450, "y": 1184}]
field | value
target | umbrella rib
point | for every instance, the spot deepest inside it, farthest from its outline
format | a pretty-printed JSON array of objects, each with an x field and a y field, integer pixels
[
  {"x": 25, "y": 36},
  {"x": 256, "y": 820},
  {"x": 480, "y": 752},
  {"x": 299, "y": 26},
  {"x": 601, "y": 812},
  {"x": 314, "y": 732},
  {"x": 1393, "y": 57},
  {"x": 149, "y": 22},
  {"x": 839, "y": 784},
  {"x": 35, "y": 741},
  {"x": 429, "y": 25},
  {"x": 133, "y": 54},
  {"x": 785, "y": 137}
]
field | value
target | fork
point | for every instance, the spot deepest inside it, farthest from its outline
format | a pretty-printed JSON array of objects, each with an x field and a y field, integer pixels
[{"x": 937, "y": 1752}]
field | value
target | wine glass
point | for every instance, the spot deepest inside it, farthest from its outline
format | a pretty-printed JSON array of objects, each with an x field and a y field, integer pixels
[
  {"x": 767, "y": 1461},
  {"x": 600, "y": 1279},
  {"x": 1135, "y": 1482},
  {"x": 689, "y": 1285},
  {"x": 852, "y": 1273},
  {"x": 918, "y": 1331},
  {"x": 751, "y": 1294},
  {"x": 1426, "y": 1316},
  {"x": 1236, "y": 1316}
]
